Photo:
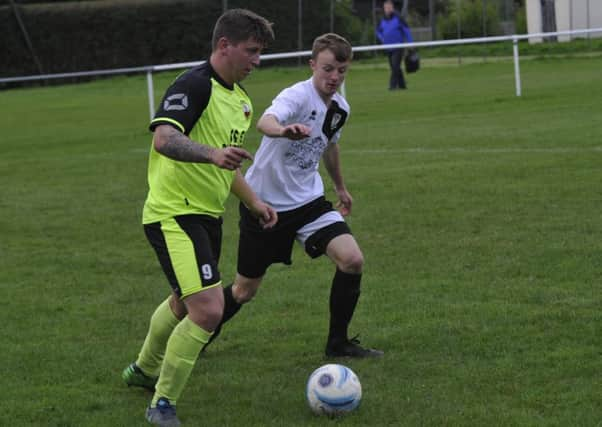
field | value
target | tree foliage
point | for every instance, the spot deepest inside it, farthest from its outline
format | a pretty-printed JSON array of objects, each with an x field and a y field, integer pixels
[
  {"x": 87, "y": 35},
  {"x": 475, "y": 20}
]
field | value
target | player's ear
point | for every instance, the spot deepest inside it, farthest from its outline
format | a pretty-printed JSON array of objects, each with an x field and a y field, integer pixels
[{"x": 222, "y": 44}]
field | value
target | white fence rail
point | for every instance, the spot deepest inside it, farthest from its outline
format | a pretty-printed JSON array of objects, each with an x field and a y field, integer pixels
[{"x": 150, "y": 69}]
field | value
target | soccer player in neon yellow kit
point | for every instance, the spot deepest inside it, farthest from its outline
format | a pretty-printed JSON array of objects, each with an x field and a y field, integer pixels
[{"x": 194, "y": 164}]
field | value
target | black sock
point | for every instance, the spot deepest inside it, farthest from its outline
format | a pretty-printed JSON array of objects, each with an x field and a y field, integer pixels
[
  {"x": 231, "y": 307},
  {"x": 344, "y": 294}
]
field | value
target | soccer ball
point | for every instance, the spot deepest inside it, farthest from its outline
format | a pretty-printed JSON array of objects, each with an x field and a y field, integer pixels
[{"x": 333, "y": 390}]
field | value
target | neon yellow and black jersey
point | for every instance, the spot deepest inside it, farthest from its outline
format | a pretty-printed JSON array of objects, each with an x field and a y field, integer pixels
[{"x": 209, "y": 111}]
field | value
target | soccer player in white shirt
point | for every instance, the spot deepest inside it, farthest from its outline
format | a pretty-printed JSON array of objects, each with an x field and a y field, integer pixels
[{"x": 303, "y": 125}]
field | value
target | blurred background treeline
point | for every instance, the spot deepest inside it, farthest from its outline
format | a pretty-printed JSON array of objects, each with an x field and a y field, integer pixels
[
  {"x": 41, "y": 37},
  {"x": 46, "y": 37}
]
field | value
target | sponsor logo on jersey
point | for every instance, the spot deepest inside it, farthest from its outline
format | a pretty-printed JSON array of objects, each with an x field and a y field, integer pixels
[{"x": 176, "y": 102}]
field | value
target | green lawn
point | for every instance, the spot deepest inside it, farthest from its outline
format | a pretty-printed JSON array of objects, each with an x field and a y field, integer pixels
[{"x": 478, "y": 213}]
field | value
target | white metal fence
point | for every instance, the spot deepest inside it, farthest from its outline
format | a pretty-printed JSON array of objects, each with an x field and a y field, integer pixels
[{"x": 149, "y": 70}]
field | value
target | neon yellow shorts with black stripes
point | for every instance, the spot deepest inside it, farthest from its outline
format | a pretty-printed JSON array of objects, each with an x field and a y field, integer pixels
[{"x": 188, "y": 248}]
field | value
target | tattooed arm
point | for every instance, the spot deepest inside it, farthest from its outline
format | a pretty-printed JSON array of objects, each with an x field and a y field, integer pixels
[{"x": 174, "y": 144}]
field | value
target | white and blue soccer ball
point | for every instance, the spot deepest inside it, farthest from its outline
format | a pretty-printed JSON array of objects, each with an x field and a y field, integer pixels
[{"x": 333, "y": 390}]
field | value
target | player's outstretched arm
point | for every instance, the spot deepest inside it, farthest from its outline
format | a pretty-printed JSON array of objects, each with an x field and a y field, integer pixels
[
  {"x": 174, "y": 144},
  {"x": 265, "y": 213},
  {"x": 269, "y": 125}
]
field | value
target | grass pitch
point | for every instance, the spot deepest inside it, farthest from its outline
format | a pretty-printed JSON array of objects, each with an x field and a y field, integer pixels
[{"x": 478, "y": 213}]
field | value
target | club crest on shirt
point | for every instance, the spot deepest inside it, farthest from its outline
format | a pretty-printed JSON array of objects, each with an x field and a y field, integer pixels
[
  {"x": 336, "y": 118},
  {"x": 246, "y": 109}
]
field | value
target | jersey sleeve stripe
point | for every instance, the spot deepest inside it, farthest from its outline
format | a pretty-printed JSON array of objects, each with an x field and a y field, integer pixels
[{"x": 160, "y": 120}]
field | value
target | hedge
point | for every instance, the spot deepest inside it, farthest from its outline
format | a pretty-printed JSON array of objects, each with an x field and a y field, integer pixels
[{"x": 88, "y": 35}]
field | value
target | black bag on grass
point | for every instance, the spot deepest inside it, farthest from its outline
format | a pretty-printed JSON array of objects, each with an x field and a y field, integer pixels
[{"x": 412, "y": 61}]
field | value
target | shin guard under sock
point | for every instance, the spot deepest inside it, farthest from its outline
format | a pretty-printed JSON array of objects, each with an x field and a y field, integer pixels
[
  {"x": 344, "y": 294},
  {"x": 162, "y": 323},
  {"x": 182, "y": 351}
]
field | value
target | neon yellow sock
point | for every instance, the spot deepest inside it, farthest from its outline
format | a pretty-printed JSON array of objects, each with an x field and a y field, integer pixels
[
  {"x": 162, "y": 323},
  {"x": 183, "y": 347}
]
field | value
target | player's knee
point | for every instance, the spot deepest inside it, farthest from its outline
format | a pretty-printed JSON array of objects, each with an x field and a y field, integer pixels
[
  {"x": 352, "y": 263},
  {"x": 214, "y": 316},
  {"x": 244, "y": 293},
  {"x": 244, "y": 288},
  {"x": 210, "y": 318},
  {"x": 206, "y": 314}
]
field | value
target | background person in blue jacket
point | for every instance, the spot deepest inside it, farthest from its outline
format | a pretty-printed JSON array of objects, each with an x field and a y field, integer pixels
[{"x": 392, "y": 28}]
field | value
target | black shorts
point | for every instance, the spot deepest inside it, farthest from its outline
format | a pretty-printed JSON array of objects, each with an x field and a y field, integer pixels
[
  {"x": 259, "y": 248},
  {"x": 188, "y": 248}
]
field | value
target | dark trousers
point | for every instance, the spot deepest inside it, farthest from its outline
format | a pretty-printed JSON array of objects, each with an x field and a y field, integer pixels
[{"x": 396, "y": 81}]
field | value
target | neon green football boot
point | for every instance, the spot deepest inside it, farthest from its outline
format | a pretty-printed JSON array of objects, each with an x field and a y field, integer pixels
[{"x": 134, "y": 377}]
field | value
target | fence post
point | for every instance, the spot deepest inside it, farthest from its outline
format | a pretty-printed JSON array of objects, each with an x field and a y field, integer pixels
[
  {"x": 516, "y": 66},
  {"x": 28, "y": 42},
  {"x": 404, "y": 9},
  {"x": 299, "y": 28},
  {"x": 589, "y": 35},
  {"x": 571, "y": 19},
  {"x": 432, "y": 20},
  {"x": 332, "y": 16},
  {"x": 459, "y": 26},
  {"x": 151, "y": 94},
  {"x": 373, "y": 25}
]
